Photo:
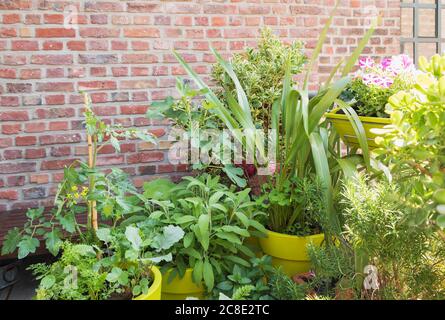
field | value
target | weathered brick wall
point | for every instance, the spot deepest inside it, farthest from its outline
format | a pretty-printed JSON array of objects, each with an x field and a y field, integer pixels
[{"x": 121, "y": 54}]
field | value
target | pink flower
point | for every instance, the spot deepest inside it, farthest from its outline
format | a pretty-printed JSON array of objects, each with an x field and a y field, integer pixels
[
  {"x": 366, "y": 62},
  {"x": 386, "y": 62}
]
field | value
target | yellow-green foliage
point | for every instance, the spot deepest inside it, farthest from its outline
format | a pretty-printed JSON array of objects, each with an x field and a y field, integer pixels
[{"x": 261, "y": 72}]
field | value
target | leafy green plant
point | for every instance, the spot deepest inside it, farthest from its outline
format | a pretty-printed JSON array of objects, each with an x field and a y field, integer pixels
[
  {"x": 247, "y": 282},
  {"x": 413, "y": 144},
  {"x": 284, "y": 288},
  {"x": 303, "y": 145},
  {"x": 297, "y": 209},
  {"x": 216, "y": 220},
  {"x": 377, "y": 224},
  {"x": 375, "y": 83},
  {"x": 261, "y": 72},
  {"x": 120, "y": 268},
  {"x": 194, "y": 118},
  {"x": 84, "y": 190}
]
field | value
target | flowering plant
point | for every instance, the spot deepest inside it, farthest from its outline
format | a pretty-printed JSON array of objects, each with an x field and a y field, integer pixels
[{"x": 375, "y": 82}]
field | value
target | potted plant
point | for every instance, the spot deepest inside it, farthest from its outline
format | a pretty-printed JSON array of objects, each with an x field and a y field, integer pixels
[
  {"x": 86, "y": 197},
  {"x": 216, "y": 220},
  {"x": 303, "y": 146},
  {"x": 368, "y": 93},
  {"x": 295, "y": 213},
  {"x": 122, "y": 267}
]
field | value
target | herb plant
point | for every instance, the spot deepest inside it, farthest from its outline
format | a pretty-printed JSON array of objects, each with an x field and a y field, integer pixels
[
  {"x": 84, "y": 190},
  {"x": 119, "y": 269},
  {"x": 261, "y": 72},
  {"x": 407, "y": 257},
  {"x": 216, "y": 220}
]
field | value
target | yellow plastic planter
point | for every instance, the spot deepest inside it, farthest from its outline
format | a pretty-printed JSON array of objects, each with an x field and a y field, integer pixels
[
  {"x": 154, "y": 293},
  {"x": 181, "y": 288},
  {"x": 289, "y": 252},
  {"x": 347, "y": 133}
]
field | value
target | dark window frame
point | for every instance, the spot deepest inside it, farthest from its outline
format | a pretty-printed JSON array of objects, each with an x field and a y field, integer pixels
[{"x": 416, "y": 39}]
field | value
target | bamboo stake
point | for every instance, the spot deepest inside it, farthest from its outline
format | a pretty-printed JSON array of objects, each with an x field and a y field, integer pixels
[{"x": 92, "y": 211}]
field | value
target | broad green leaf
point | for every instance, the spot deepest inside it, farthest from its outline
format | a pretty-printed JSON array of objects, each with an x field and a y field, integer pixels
[
  {"x": 197, "y": 272},
  {"x": 208, "y": 275},
  {"x": 26, "y": 246},
  {"x": 204, "y": 225},
  {"x": 53, "y": 242},
  {"x": 169, "y": 236},
  {"x": 11, "y": 241},
  {"x": 229, "y": 237},
  {"x": 237, "y": 230},
  {"x": 104, "y": 234},
  {"x": 132, "y": 235},
  {"x": 188, "y": 239},
  {"x": 68, "y": 222},
  {"x": 238, "y": 260},
  {"x": 158, "y": 189},
  {"x": 48, "y": 281},
  {"x": 235, "y": 174}
]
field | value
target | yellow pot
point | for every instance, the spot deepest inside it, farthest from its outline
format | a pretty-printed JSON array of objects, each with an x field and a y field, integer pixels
[
  {"x": 347, "y": 133},
  {"x": 289, "y": 252},
  {"x": 154, "y": 292},
  {"x": 181, "y": 288}
]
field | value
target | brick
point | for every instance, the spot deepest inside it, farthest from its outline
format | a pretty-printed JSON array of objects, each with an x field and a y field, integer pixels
[
  {"x": 25, "y": 45},
  {"x": 34, "y": 193},
  {"x": 60, "y": 151},
  {"x": 143, "y": 157},
  {"x": 59, "y": 126},
  {"x": 12, "y": 154},
  {"x": 15, "y": 181},
  {"x": 35, "y": 153},
  {"x": 55, "y": 86},
  {"x": 18, "y": 87},
  {"x": 99, "y": 32},
  {"x": 11, "y": 128},
  {"x": 11, "y": 18},
  {"x": 55, "y": 18},
  {"x": 139, "y": 58},
  {"x": 97, "y": 85},
  {"x": 59, "y": 139},
  {"x": 8, "y": 73},
  {"x": 110, "y": 160},
  {"x": 9, "y": 194},
  {"x": 56, "y": 164},
  {"x": 55, "y": 33},
  {"x": 98, "y": 58},
  {"x": 14, "y": 116},
  {"x": 76, "y": 45},
  {"x": 17, "y": 167},
  {"x": 26, "y": 74},
  {"x": 52, "y": 45},
  {"x": 25, "y": 141},
  {"x": 142, "y": 32},
  {"x": 63, "y": 59}
]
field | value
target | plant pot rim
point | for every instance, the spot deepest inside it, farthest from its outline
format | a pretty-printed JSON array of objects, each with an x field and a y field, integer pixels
[
  {"x": 155, "y": 286},
  {"x": 284, "y": 235},
  {"x": 183, "y": 285},
  {"x": 334, "y": 115}
]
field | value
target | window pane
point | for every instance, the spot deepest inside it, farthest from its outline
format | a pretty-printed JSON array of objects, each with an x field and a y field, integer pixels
[
  {"x": 407, "y": 22},
  {"x": 426, "y": 49},
  {"x": 427, "y": 23}
]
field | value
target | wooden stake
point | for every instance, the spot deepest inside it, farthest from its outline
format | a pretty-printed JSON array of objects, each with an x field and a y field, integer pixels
[{"x": 92, "y": 204}]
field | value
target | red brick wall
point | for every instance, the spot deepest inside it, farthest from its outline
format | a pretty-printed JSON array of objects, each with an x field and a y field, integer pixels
[{"x": 121, "y": 54}]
